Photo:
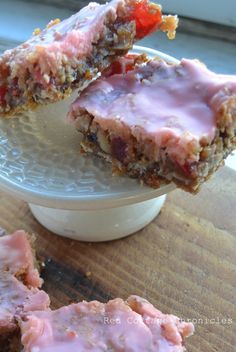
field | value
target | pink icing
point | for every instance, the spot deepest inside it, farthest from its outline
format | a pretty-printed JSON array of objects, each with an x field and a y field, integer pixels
[
  {"x": 116, "y": 326},
  {"x": 16, "y": 299},
  {"x": 175, "y": 106},
  {"x": 74, "y": 36},
  {"x": 70, "y": 39},
  {"x": 17, "y": 258}
]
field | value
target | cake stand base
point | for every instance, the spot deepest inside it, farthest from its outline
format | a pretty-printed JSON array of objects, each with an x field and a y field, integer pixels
[{"x": 99, "y": 225}]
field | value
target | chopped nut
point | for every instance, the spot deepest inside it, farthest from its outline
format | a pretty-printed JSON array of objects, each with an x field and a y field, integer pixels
[
  {"x": 37, "y": 31},
  {"x": 53, "y": 22},
  {"x": 169, "y": 24},
  {"x": 103, "y": 141},
  {"x": 46, "y": 78},
  {"x": 88, "y": 274},
  {"x": 88, "y": 75}
]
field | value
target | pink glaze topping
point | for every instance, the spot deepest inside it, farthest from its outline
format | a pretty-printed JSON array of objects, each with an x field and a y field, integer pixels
[
  {"x": 17, "y": 258},
  {"x": 16, "y": 300},
  {"x": 74, "y": 36},
  {"x": 118, "y": 326},
  {"x": 175, "y": 106},
  {"x": 70, "y": 39}
]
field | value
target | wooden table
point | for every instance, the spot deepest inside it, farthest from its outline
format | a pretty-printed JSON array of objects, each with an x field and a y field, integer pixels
[{"x": 184, "y": 262}]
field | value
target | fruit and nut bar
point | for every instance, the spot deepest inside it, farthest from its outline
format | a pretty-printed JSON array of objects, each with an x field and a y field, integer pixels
[
  {"x": 19, "y": 286},
  {"x": 133, "y": 325},
  {"x": 18, "y": 258},
  {"x": 70, "y": 54},
  {"x": 159, "y": 122}
]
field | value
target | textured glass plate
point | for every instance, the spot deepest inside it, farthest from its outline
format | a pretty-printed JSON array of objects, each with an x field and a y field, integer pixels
[{"x": 40, "y": 163}]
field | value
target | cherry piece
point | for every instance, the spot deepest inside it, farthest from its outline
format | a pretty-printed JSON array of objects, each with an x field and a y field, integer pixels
[
  {"x": 147, "y": 17},
  {"x": 3, "y": 91}
]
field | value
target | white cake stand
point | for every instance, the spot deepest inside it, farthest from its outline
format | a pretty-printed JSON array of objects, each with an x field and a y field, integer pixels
[{"x": 70, "y": 194}]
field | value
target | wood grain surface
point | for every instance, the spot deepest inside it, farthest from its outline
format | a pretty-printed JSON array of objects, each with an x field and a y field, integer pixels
[{"x": 184, "y": 262}]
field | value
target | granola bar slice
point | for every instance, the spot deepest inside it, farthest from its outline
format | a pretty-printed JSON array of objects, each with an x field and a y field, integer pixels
[
  {"x": 70, "y": 54},
  {"x": 19, "y": 283},
  {"x": 159, "y": 122},
  {"x": 133, "y": 325},
  {"x": 16, "y": 300},
  {"x": 17, "y": 256}
]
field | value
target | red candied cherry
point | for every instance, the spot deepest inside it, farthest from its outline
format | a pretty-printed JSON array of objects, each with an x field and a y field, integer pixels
[
  {"x": 147, "y": 17},
  {"x": 3, "y": 91}
]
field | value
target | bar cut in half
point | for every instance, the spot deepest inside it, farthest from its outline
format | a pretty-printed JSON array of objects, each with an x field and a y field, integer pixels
[
  {"x": 69, "y": 54},
  {"x": 19, "y": 285},
  {"x": 18, "y": 258},
  {"x": 17, "y": 300},
  {"x": 133, "y": 325},
  {"x": 159, "y": 122}
]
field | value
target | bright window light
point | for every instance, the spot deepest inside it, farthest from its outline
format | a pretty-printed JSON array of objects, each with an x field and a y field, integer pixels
[{"x": 223, "y": 12}]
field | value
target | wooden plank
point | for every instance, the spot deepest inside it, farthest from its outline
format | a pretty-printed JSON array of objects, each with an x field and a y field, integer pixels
[
  {"x": 216, "y": 202},
  {"x": 184, "y": 262}
]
